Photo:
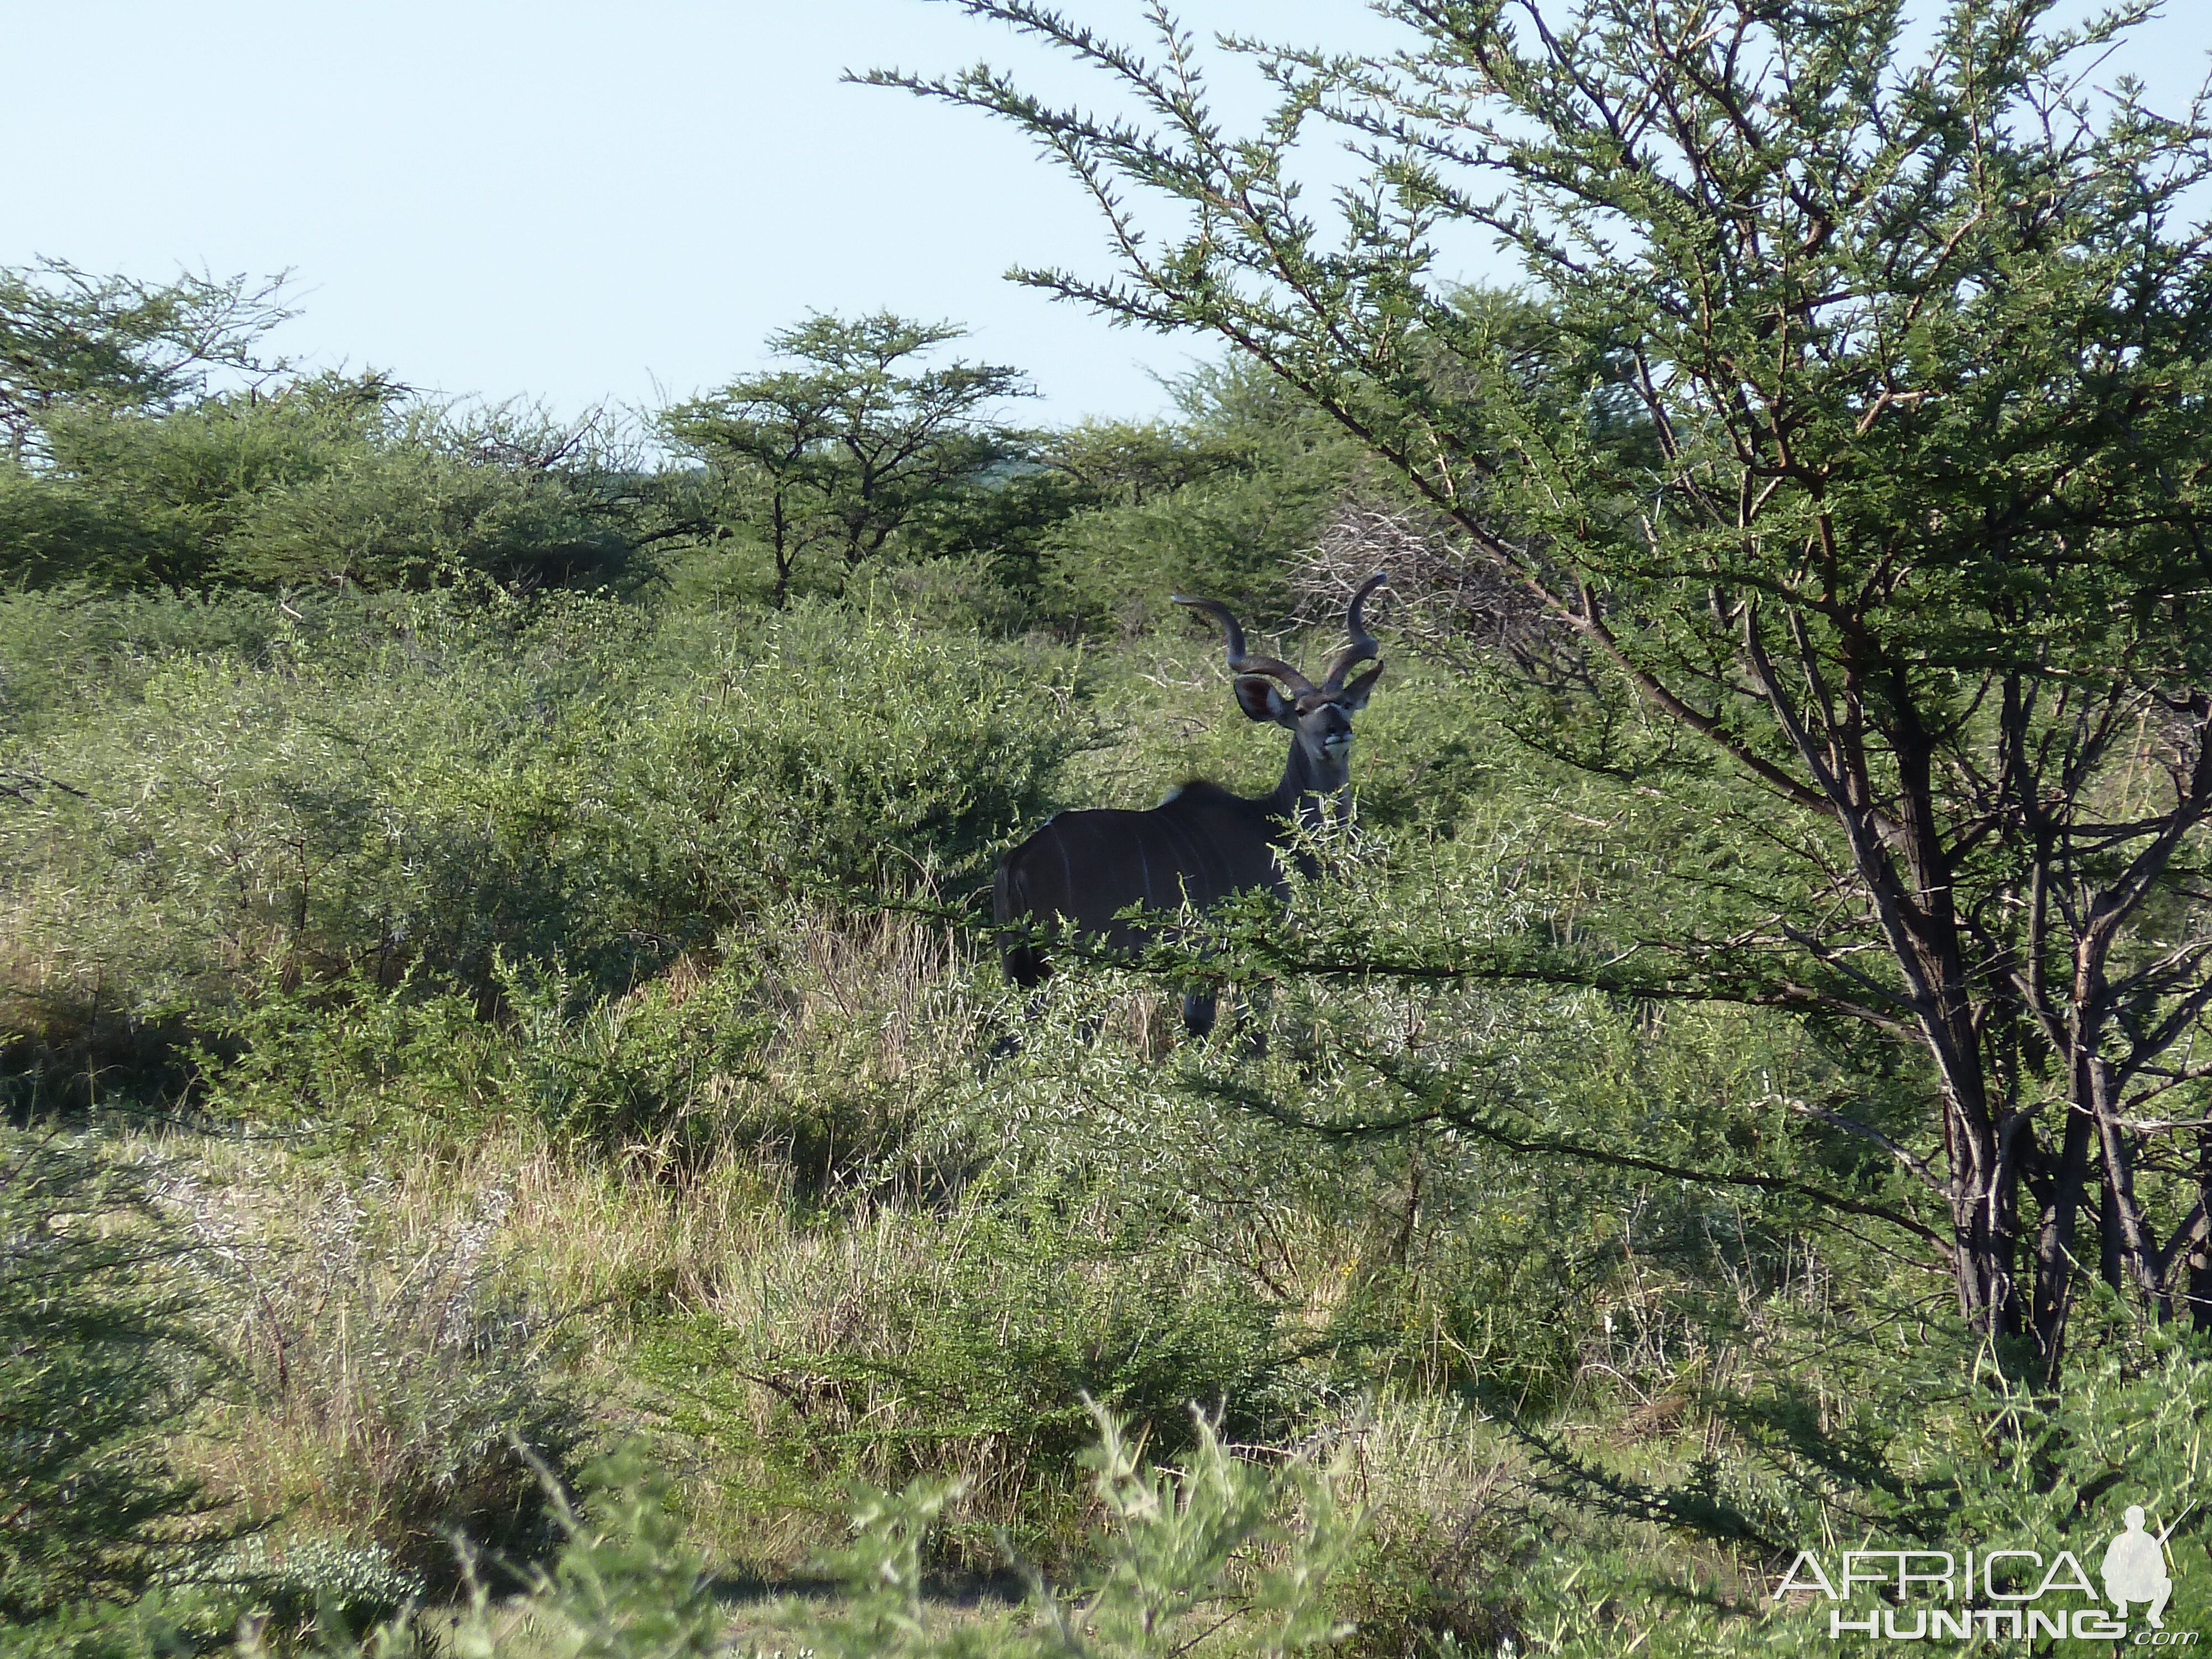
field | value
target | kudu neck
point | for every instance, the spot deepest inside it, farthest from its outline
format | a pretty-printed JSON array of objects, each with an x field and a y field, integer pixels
[{"x": 1306, "y": 790}]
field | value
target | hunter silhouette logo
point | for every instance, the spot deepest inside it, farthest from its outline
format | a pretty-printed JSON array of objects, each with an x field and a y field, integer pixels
[
  {"x": 2000, "y": 1593},
  {"x": 2134, "y": 1568}
]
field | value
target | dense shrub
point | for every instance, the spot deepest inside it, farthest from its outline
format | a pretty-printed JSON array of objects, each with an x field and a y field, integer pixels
[
  {"x": 849, "y": 752},
  {"x": 432, "y": 787},
  {"x": 1225, "y": 506},
  {"x": 332, "y": 480},
  {"x": 965, "y": 1347},
  {"x": 99, "y": 1360}
]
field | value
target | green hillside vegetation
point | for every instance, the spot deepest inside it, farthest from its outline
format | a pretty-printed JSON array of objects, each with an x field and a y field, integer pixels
[{"x": 517, "y": 1142}]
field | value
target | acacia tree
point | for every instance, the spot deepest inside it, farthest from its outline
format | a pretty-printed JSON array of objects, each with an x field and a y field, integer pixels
[
  {"x": 68, "y": 336},
  {"x": 855, "y": 442},
  {"x": 1868, "y": 453}
]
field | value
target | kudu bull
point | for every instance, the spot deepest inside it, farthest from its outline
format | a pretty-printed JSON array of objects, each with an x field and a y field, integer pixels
[{"x": 1202, "y": 843}]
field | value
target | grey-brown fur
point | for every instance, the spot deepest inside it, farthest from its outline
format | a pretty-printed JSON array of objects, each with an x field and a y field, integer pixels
[{"x": 1202, "y": 844}]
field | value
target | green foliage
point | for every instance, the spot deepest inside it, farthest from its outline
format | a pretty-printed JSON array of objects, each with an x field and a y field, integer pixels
[
  {"x": 429, "y": 497},
  {"x": 273, "y": 811},
  {"x": 842, "y": 462},
  {"x": 1522, "y": 1189},
  {"x": 1975, "y": 1458},
  {"x": 423, "y": 788},
  {"x": 159, "y": 1625},
  {"x": 1034, "y": 1315},
  {"x": 1924, "y": 1448},
  {"x": 1431, "y": 1584},
  {"x": 53, "y": 534},
  {"x": 1216, "y": 1556},
  {"x": 67, "y": 338},
  {"x": 350, "y": 1053},
  {"x": 842, "y": 452},
  {"x": 67, "y": 650},
  {"x": 853, "y": 752},
  {"x": 1805, "y": 441},
  {"x": 1224, "y": 506},
  {"x": 645, "y": 1067},
  {"x": 886, "y": 1566},
  {"x": 624, "y": 1584},
  {"x": 324, "y": 481},
  {"x": 310, "y": 1581},
  {"x": 968, "y": 1351},
  {"x": 1171, "y": 1542},
  {"x": 99, "y": 1357}
]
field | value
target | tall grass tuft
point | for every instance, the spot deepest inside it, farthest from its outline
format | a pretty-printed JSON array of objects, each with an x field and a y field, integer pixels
[{"x": 385, "y": 1356}]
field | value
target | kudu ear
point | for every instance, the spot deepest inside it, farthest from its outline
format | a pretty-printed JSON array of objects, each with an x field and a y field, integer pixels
[
  {"x": 1354, "y": 696},
  {"x": 1257, "y": 696}
]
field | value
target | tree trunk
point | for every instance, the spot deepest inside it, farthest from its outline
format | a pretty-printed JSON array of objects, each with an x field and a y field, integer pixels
[
  {"x": 1984, "y": 1225},
  {"x": 2198, "y": 1250},
  {"x": 2054, "y": 1244}
]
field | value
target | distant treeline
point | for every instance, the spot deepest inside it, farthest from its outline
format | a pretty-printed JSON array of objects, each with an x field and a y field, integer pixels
[{"x": 151, "y": 441}]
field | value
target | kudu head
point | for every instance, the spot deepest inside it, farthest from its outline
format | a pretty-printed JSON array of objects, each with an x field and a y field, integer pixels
[{"x": 1319, "y": 716}]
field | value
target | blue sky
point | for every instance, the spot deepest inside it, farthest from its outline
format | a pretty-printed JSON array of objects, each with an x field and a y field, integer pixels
[{"x": 579, "y": 202}]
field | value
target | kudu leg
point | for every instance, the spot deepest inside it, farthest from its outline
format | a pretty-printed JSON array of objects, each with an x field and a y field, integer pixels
[
  {"x": 1200, "y": 1008},
  {"x": 1009, "y": 1043},
  {"x": 1253, "y": 1006},
  {"x": 1199, "y": 1004}
]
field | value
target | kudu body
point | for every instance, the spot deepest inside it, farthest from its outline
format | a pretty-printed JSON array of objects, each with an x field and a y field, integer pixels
[{"x": 1203, "y": 844}]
